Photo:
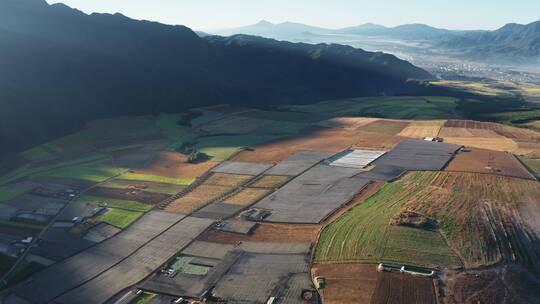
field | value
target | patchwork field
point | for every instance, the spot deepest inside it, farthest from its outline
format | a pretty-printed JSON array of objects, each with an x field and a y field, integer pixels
[
  {"x": 495, "y": 144},
  {"x": 317, "y": 139},
  {"x": 175, "y": 165},
  {"x": 197, "y": 198}
]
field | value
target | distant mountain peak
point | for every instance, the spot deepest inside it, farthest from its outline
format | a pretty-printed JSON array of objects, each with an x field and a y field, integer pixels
[{"x": 264, "y": 23}]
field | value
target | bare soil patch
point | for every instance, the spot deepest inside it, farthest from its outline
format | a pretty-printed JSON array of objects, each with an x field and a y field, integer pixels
[
  {"x": 351, "y": 123},
  {"x": 396, "y": 288},
  {"x": 129, "y": 194},
  {"x": 347, "y": 283},
  {"x": 268, "y": 232},
  {"x": 173, "y": 164},
  {"x": 486, "y": 161},
  {"x": 470, "y": 124},
  {"x": 465, "y": 132}
]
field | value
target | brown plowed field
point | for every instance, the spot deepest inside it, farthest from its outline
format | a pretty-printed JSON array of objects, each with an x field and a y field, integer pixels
[
  {"x": 347, "y": 283},
  {"x": 225, "y": 179},
  {"x": 247, "y": 196},
  {"x": 268, "y": 232},
  {"x": 528, "y": 147},
  {"x": 172, "y": 164},
  {"x": 465, "y": 132},
  {"x": 129, "y": 194},
  {"x": 519, "y": 133},
  {"x": 196, "y": 198},
  {"x": 400, "y": 288},
  {"x": 470, "y": 124},
  {"x": 420, "y": 132},
  {"x": 496, "y": 144},
  {"x": 486, "y": 161},
  {"x": 270, "y": 181},
  {"x": 317, "y": 139},
  {"x": 388, "y": 127},
  {"x": 351, "y": 123}
]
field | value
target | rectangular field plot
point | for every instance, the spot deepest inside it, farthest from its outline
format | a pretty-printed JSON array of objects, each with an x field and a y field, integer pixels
[
  {"x": 241, "y": 168},
  {"x": 270, "y": 181},
  {"x": 236, "y": 226},
  {"x": 343, "y": 282},
  {"x": 138, "y": 265},
  {"x": 298, "y": 163},
  {"x": 247, "y": 196},
  {"x": 393, "y": 287},
  {"x": 418, "y": 155},
  {"x": 254, "y": 278},
  {"x": 420, "y": 132},
  {"x": 61, "y": 277},
  {"x": 355, "y": 158},
  {"x": 312, "y": 196},
  {"x": 490, "y": 162},
  {"x": 218, "y": 211},
  {"x": 197, "y": 198}
]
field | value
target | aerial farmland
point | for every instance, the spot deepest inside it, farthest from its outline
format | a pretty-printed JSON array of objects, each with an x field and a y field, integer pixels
[{"x": 299, "y": 204}]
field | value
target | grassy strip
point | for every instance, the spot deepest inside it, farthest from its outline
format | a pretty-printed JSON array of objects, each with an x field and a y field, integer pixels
[
  {"x": 119, "y": 217},
  {"x": 7, "y": 193},
  {"x": 532, "y": 163},
  {"x": 21, "y": 225},
  {"x": 157, "y": 179},
  {"x": 117, "y": 203},
  {"x": 144, "y": 298}
]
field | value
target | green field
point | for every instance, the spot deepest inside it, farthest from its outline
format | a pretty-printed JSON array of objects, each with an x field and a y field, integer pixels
[
  {"x": 144, "y": 298},
  {"x": 288, "y": 116},
  {"x": 119, "y": 217},
  {"x": 84, "y": 172},
  {"x": 11, "y": 192},
  {"x": 35, "y": 153},
  {"x": 364, "y": 234},
  {"x": 532, "y": 164},
  {"x": 116, "y": 203},
  {"x": 280, "y": 128},
  {"x": 157, "y": 179},
  {"x": 21, "y": 225}
]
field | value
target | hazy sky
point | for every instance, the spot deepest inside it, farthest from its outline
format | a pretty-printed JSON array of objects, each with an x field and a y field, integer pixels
[{"x": 219, "y": 14}]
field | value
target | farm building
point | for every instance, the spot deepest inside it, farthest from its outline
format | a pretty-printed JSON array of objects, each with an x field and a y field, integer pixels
[{"x": 355, "y": 158}]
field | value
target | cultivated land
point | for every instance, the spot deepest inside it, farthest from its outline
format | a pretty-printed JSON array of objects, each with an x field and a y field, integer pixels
[{"x": 479, "y": 212}]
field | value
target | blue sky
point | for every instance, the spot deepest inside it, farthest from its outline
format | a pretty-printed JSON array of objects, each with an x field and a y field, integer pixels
[{"x": 219, "y": 14}]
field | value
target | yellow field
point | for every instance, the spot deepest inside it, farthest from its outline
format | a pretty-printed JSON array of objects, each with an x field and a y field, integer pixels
[
  {"x": 420, "y": 131},
  {"x": 496, "y": 144}
]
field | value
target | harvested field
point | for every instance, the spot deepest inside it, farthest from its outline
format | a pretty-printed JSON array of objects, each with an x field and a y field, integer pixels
[
  {"x": 267, "y": 232},
  {"x": 519, "y": 133},
  {"x": 174, "y": 165},
  {"x": 128, "y": 194},
  {"x": 420, "y": 132},
  {"x": 490, "y": 162},
  {"x": 464, "y": 132},
  {"x": 350, "y": 123},
  {"x": 531, "y": 149},
  {"x": 270, "y": 181},
  {"x": 496, "y": 144},
  {"x": 247, "y": 196},
  {"x": 196, "y": 198},
  {"x": 229, "y": 180},
  {"x": 317, "y": 139},
  {"x": 388, "y": 127},
  {"x": 347, "y": 283},
  {"x": 399, "y": 288}
]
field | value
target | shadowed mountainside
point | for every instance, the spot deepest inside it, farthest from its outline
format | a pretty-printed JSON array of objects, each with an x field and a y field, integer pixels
[{"x": 62, "y": 68}]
